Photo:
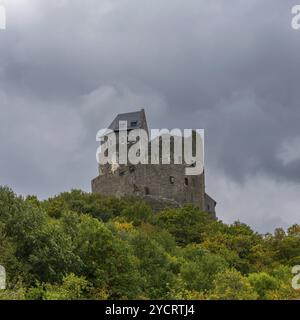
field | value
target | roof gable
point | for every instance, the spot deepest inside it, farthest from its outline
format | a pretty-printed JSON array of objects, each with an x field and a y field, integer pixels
[{"x": 134, "y": 120}]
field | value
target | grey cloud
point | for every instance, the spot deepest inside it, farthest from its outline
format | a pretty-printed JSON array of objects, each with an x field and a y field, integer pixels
[{"x": 67, "y": 66}]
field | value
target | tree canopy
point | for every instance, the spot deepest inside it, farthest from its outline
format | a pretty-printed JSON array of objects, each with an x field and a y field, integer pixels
[{"x": 79, "y": 245}]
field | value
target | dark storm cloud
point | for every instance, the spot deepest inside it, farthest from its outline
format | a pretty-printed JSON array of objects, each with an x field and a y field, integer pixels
[{"x": 231, "y": 67}]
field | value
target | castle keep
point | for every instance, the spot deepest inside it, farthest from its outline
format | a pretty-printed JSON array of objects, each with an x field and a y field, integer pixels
[{"x": 160, "y": 185}]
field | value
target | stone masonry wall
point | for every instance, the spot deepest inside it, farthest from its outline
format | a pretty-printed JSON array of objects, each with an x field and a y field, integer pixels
[{"x": 153, "y": 181}]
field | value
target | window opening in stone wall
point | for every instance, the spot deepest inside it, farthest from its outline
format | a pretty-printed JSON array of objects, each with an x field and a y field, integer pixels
[{"x": 172, "y": 180}]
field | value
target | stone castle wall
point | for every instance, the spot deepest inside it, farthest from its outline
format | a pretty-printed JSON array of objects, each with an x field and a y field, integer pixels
[
  {"x": 161, "y": 185},
  {"x": 157, "y": 183}
]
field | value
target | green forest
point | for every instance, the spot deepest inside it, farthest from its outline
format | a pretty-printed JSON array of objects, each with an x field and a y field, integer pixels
[{"x": 80, "y": 246}]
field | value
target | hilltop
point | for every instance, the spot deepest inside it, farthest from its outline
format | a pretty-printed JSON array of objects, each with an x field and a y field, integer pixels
[{"x": 87, "y": 246}]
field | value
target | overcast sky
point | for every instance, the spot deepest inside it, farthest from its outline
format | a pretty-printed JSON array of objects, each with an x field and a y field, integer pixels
[{"x": 67, "y": 67}]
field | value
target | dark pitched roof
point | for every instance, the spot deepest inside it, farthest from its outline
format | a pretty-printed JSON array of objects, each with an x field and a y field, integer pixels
[{"x": 134, "y": 120}]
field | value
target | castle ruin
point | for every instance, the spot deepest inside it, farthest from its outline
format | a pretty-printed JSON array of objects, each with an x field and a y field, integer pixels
[{"x": 160, "y": 185}]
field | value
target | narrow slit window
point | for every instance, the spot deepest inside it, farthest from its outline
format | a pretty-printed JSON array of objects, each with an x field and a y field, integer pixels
[{"x": 147, "y": 191}]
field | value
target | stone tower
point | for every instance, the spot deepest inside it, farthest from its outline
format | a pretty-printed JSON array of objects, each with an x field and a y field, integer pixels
[{"x": 160, "y": 185}]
